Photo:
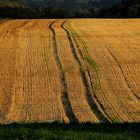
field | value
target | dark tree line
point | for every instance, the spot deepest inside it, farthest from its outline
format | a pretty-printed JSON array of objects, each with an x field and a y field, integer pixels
[{"x": 125, "y": 9}]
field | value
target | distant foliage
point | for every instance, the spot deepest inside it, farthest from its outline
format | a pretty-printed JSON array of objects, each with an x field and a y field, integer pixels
[
  {"x": 126, "y": 9},
  {"x": 17, "y": 10},
  {"x": 123, "y": 9}
]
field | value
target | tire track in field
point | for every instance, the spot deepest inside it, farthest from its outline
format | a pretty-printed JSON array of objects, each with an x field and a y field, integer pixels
[
  {"x": 64, "y": 97},
  {"x": 88, "y": 94},
  {"x": 126, "y": 81}
]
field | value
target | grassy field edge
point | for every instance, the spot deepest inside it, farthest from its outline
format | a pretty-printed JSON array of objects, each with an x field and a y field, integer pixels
[{"x": 87, "y": 131}]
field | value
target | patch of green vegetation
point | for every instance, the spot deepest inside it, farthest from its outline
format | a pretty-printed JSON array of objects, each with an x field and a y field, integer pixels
[
  {"x": 91, "y": 62},
  {"x": 75, "y": 33},
  {"x": 58, "y": 131},
  {"x": 97, "y": 86}
]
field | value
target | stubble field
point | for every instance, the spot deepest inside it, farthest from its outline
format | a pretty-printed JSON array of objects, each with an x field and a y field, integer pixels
[{"x": 70, "y": 71}]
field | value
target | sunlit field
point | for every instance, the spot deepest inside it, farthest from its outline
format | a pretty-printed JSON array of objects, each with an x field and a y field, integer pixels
[{"x": 70, "y": 71}]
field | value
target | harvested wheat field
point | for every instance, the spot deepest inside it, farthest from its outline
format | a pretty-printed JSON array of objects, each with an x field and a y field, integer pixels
[{"x": 71, "y": 70}]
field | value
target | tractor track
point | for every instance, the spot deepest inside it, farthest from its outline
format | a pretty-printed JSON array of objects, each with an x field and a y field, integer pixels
[{"x": 64, "y": 97}]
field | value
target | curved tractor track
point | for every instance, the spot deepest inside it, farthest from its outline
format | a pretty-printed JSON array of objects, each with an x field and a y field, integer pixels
[{"x": 64, "y": 97}]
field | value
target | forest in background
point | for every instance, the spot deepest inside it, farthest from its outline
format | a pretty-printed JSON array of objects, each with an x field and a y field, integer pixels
[{"x": 121, "y": 9}]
